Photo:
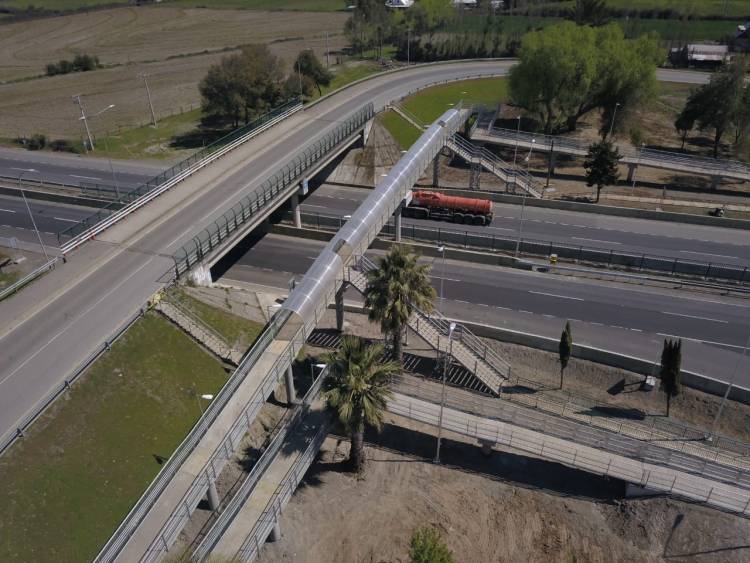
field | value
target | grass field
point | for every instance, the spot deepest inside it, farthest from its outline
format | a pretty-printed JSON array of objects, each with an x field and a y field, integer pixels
[
  {"x": 429, "y": 104},
  {"x": 136, "y": 40},
  {"x": 304, "y": 5},
  {"x": 734, "y": 8},
  {"x": 81, "y": 467},
  {"x": 401, "y": 130}
]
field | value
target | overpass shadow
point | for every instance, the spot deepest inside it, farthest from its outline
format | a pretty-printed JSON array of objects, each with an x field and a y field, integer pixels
[{"x": 507, "y": 467}]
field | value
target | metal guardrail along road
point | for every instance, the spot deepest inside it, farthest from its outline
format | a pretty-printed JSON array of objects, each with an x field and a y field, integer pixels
[{"x": 476, "y": 240}]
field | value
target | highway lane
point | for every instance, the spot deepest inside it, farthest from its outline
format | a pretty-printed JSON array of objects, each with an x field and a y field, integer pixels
[
  {"x": 74, "y": 170},
  {"x": 50, "y": 218},
  {"x": 623, "y": 318},
  {"x": 52, "y": 325},
  {"x": 639, "y": 236}
]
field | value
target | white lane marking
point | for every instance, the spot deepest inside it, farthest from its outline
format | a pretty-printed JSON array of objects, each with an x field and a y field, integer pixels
[
  {"x": 500, "y": 229},
  {"x": 84, "y": 177},
  {"x": 701, "y": 341},
  {"x": 709, "y": 254},
  {"x": 79, "y": 317},
  {"x": 597, "y": 240},
  {"x": 444, "y": 279},
  {"x": 311, "y": 205},
  {"x": 182, "y": 234},
  {"x": 695, "y": 317},
  {"x": 555, "y": 295},
  {"x": 7, "y": 210},
  {"x": 68, "y": 220}
]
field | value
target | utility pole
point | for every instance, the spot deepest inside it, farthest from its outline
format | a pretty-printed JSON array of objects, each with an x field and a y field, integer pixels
[
  {"x": 328, "y": 54},
  {"x": 150, "y": 103},
  {"x": 614, "y": 113},
  {"x": 408, "y": 46},
  {"x": 299, "y": 77},
  {"x": 446, "y": 362},
  {"x": 77, "y": 100}
]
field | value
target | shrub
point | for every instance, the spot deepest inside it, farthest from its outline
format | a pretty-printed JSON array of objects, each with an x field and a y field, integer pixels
[
  {"x": 426, "y": 546},
  {"x": 80, "y": 63},
  {"x": 63, "y": 145},
  {"x": 37, "y": 142}
]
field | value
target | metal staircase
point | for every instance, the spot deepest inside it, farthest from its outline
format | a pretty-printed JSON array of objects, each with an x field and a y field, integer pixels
[
  {"x": 467, "y": 349},
  {"x": 494, "y": 164}
]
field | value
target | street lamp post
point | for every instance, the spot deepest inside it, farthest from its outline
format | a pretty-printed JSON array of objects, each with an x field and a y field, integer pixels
[
  {"x": 515, "y": 152},
  {"x": 442, "y": 396},
  {"x": 31, "y": 215},
  {"x": 640, "y": 156},
  {"x": 205, "y": 398},
  {"x": 729, "y": 388},
  {"x": 523, "y": 201},
  {"x": 106, "y": 149},
  {"x": 441, "y": 250},
  {"x": 77, "y": 100},
  {"x": 612, "y": 125}
]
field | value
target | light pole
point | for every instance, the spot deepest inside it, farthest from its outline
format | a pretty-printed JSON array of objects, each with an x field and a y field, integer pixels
[
  {"x": 328, "y": 54},
  {"x": 523, "y": 201},
  {"x": 321, "y": 367},
  {"x": 612, "y": 125},
  {"x": 205, "y": 398},
  {"x": 729, "y": 388},
  {"x": 31, "y": 216},
  {"x": 77, "y": 100},
  {"x": 299, "y": 77},
  {"x": 640, "y": 156},
  {"x": 148, "y": 94},
  {"x": 408, "y": 46},
  {"x": 515, "y": 152},
  {"x": 451, "y": 328},
  {"x": 106, "y": 149},
  {"x": 441, "y": 249}
]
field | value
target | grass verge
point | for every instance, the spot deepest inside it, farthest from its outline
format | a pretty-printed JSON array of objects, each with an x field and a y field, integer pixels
[
  {"x": 350, "y": 73},
  {"x": 404, "y": 132},
  {"x": 431, "y": 103},
  {"x": 237, "y": 331},
  {"x": 75, "y": 475},
  {"x": 306, "y": 5}
]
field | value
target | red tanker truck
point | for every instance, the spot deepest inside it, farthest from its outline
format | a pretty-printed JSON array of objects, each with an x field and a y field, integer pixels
[{"x": 434, "y": 205}]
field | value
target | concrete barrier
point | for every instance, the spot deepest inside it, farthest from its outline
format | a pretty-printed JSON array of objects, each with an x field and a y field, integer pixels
[
  {"x": 608, "y": 210},
  {"x": 42, "y": 195}
]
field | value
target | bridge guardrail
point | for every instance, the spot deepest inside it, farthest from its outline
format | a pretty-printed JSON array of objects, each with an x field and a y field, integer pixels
[
  {"x": 203, "y": 243},
  {"x": 717, "y": 167},
  {"x": 132, "y": 200},
  {"x": 230, "y": 511},
  {"x": 476, "y": 240},
  {"x": 491, "y": 430}
]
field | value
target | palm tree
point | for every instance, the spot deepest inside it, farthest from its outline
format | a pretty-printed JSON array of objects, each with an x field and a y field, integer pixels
[
  {"x": 357, "y": 390},
  {"x": 394, "y": 288}
]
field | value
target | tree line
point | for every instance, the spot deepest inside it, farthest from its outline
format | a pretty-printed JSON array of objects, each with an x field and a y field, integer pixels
[
  {"x": 244, "y": 85},
  {"x": 80, "y": 63}
]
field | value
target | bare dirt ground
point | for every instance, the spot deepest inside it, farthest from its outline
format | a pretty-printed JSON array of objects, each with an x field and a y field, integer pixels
[
  {"x": 506, "y": 507},
  {"x": 139, "y": 40},
  {"x": 503, "y": 508}
]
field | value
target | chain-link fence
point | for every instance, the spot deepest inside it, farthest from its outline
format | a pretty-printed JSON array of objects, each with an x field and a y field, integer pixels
[
  {"x": 212, "y": 236},
  {"x": 640, "y": 262},
  {"x": 133, "y": 194}
]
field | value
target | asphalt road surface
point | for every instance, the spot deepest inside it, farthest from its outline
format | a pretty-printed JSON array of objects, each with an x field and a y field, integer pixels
[
  {"x": 50, "y": 218},
  {"x": 621, "y": 234},
  {"x": 623, "y": 318},
  {"x": 73, "y": 170},
  {"x": 56, "y": 322}
]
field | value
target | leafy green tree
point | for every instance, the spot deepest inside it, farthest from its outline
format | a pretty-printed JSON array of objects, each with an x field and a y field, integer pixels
[
  {"x": 718, "y": 105},
  {"x": 589, "y": 12},
  {"x": 566, "y": 71},
  {"x": 244, "y": 85},
  {"x": 564, "y": 349},
  {"x": 357, "y": 390},
  {"x": 671, "y": 362},
  {"x": 310, "y": 67},
  {"x": 426, "y": 546},
  {"x": 394, "y": 288},
  {"x": 601, "y": 166},
  {"x": 685, "y": 123}
]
